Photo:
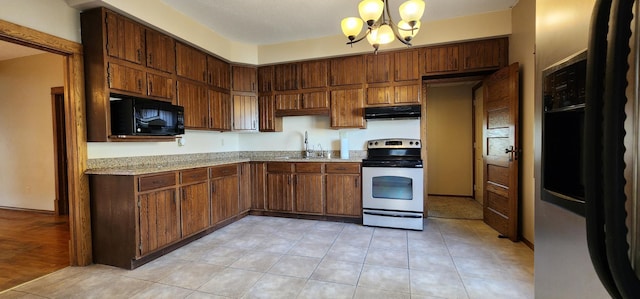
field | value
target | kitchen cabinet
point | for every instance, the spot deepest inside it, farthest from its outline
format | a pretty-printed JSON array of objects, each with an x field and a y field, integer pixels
[
  {"x": 347, "y": 70},
  {"x": 379, "y": 67},
  {"x": 194, "y": 97},
  {"x": 347, "y": 108},
  {"x": 218, "y": 73},
  {"x": 485, "y": 54},
  {"x": 191, "y": 63},
  {"x": 284, "y": 102},
  {"x": 279, "y": 187},
  {"x": 133, "y": 216},
  {"x": 258, "y": 185},
  {"x": 160, "y": 86},
  {"x": 123, "y": 78},
  {"x": 440, "y": 59},
  {"x": 285, "y": 76},
  {"x": 344, "y": 189},
  {"x": 407, "y": 94},
  {"x": 245, "y": 113},
  {"x": 125, "y": 39},
  {"x": 267, "y": 118},
  {"x": 161, "y": 51},
  {"x": 313, "y": 74},
  {"x": 379, "y": 95},
  {"x": 195, "y": 206},
  {"x": 224, "y": 192},
  {"x": 245, "y": 185},
  {"x": 306, "y": 103},
  {"x": 309, "y": 188},
  {"x": 265, "y": 79},
  {"x": 244, "y": 78},
  {"x": 220, "y": 107},
  {"x": 406, "y": 65}
]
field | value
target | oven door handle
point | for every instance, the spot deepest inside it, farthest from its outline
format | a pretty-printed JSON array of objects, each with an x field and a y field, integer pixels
[{"x": 390, "y": 215}]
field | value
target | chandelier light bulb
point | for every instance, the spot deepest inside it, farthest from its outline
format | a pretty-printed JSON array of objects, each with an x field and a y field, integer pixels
[
  {"x": 411, "y": 10},
  {"x": 370, "y": 10},
  {"x": 406, "y": 31},
  {"x": 351, "y": 27},
  {"x": 385, "y": 34}
]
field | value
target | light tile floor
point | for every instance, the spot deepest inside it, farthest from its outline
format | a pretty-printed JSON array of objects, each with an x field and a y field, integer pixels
[{"x": 269, "y": 257}]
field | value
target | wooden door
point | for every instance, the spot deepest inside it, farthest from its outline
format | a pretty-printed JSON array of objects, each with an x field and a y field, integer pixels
[
  {"x": 287, "y": 101},
  {"x": 160, "y": 86},
  {"x": 286, "y": 76},
  {"x": 279, "y": 192},
  {"x": 245, "y": 112},
  {"x": 244, "y": 78},
  {"x": 500, "y": 139},
  {"x": 267, "y": 110},
  {"x": 258, "y": 185},
  {"x": 161, "y": 51},
  {"x": 224, "y": 198},
  {"x": 347, "y": 70},
  {"x": 440, "y": 59},
  {"x": 379, "y": 67},
  {"x": 191, "y": 63},
  {"x": 219, "y": 73},
  {"x": 194, "y": 207},
  {"x": 380, "y": 95},
  {"x": 347, "y": 108},
  {"x": 60, "y": 151},
  {"x": 344, "y": 194},
  {"x": 124, "y": 78},
  {"x": 406, "y": 65},
  {"x": 245, "y": 185},
  {"x": 125, "y": 38},
  {"x": 159, "y": 220},
  {"x": 265, "y": 78},
  {"x": 407, "y": 94},
  {"x": 313, "y": 74},
  {"x": 315, "y": 100},
  {"x": 219, "y": 110}
]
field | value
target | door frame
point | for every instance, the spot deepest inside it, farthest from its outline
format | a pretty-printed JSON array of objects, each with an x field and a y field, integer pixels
[
  {"x": 75, "y": 132},
  {"x": 61, "y": 202}
]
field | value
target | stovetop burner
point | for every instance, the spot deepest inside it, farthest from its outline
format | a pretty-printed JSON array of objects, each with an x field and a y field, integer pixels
[{"x": 400, "y": 152}]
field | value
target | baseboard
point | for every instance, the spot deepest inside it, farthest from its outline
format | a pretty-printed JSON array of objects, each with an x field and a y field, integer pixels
[
  {"x": 450, "y": 195},
  {"x": 28, "y": 210},
  {"x": 528, "y": 243}
]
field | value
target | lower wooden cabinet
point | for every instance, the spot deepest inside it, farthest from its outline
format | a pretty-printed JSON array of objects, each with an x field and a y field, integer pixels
[
  {"x": 194, "y": 204},
  {"x": 224, "y": 192},
  {"x": 344, "y": 189},
  {"x": 159, "y": 218},
  {"x": 279, "y": 187},
  {"x": 309, "y": 188}
]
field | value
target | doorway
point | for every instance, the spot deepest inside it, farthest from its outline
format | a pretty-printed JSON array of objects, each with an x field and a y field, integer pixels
[{"x": 451, "y": 134}]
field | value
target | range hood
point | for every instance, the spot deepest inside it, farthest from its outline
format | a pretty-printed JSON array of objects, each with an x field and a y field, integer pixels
[{"x": 393, "y": 112}]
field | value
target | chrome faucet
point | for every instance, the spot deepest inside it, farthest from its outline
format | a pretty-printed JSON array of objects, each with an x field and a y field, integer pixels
[{"x": 307, "y": 154}]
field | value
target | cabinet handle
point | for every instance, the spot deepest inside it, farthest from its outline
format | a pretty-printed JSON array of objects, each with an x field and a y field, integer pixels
[
  {"x": 184, "y": 195},
  {"x": 213, "y": 188},
  {"x": 151, "y": 87},
  {"x": 253, "y": 126},
  {"x": 356, "y": 181},
  {"x": 204, "y": 76},
  {"x": 150, "y": 62},
  {"x": 139, "y": 55},
  {"x": 210, "y": 79},
  {"x": 140, "y": 85}
]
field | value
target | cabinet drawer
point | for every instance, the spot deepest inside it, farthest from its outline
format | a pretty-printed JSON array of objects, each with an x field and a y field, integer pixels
[
  {"x": 309, "y": 167},
  {"x": 226, "y": 170},
  {"x": 156, "y": 181},
  {"x": 343, "y": 167},
  {"x": 279, "y": 167},
  {"x": 194, "y": 175}
]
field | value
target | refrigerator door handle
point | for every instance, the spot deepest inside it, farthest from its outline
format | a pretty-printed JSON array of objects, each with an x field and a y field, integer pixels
[{"x": 593, "y": 178}]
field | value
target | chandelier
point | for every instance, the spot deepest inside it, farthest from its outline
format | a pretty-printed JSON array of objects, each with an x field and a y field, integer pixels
[{"x": 380, "y": 27}]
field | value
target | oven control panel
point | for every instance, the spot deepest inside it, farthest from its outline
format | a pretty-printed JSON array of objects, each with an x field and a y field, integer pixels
[{"x": 394, "y": 143}]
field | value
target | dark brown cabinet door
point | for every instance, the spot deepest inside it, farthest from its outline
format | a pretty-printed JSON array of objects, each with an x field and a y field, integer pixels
[
  {"x": 344, "y": 191},
  {"x": 244, "y": 78},
  {"x": 224, "y": 193},
  {"x": 442, "y": 59},
  {"x": 218, "y": 73},
  {"x": 347, "y": 70},
  {"x": 160, "y": 86},
  {"x": 406, "y": 65},
  {"x": 191, "y": 63},
  {"x": 315, "y": 100},
  {"x": 347, "y": 108},
  {"x": 120, "y": 77},
  {"x": 258, "y": 185},
  {"x": 379, "y": 95},
  {"x": 379, "y": 67},
  {"x": 161, "y": 51},
  {"x": 279, "y": 192},
  {"x": 246, "y": 184},
  {"x": 407, "y": 94},
  {"x": 219, "y": 110},
  {"x": 265, "y": 78},
  {"x": 288, "y": 101},
  {"x": 286, "y": 76},
  {"x": 309, "y": 188},
  {"x": 159, "y": 220},
  {"x": 485, "y": 54},
  {"x": 267, "y": 118},
  {"x": 245, "y": 113},
  {"x": 194, "y": 207},
  {"x": 313, "y": 74},
  {"x": 125, "y": 38},
  {"x": 193, "y": 97}
]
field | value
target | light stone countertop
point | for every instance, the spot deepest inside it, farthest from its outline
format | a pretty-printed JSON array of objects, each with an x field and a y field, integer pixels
[{"x": 145, "y": 165}]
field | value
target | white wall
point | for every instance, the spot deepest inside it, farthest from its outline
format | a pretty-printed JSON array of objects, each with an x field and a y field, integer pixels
[
  {"x": 27, "y": 175},
  {"x": 292, "y": 136},
  {"x": 449, "y": 140},
  {"x": 54, "y": 17}
]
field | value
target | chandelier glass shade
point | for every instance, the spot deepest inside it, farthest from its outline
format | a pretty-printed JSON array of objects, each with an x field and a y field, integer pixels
[{"x": 380, "y": 26}]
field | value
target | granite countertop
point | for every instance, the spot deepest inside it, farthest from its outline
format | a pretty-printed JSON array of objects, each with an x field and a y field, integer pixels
[{"x": 148, "y": 165}]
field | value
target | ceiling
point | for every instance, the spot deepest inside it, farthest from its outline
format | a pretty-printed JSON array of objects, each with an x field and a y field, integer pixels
[{"x": 263, "y": 22}]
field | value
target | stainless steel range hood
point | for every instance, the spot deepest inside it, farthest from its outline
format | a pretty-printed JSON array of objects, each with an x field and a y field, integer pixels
[{"x": 393, "y": 112}]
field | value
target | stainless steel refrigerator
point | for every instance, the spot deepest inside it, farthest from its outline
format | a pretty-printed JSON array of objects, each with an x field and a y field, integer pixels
[{"x": 587, "y": 149}]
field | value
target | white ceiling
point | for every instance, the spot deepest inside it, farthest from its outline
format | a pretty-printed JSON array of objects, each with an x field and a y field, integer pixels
[{"x": 263, "y": 22}]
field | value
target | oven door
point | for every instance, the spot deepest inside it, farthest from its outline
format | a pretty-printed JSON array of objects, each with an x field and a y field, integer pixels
[{"x": 392, "y": 188}]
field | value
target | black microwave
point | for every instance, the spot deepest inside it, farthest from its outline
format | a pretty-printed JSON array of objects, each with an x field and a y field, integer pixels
[{"x": 144, "y": 117}]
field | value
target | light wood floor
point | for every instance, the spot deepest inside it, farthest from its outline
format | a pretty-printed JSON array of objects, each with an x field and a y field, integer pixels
[{"x": 31, "y": 245}]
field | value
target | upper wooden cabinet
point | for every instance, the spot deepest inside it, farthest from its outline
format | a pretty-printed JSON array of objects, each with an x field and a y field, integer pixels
[
  {"x": 379, "y": 67},
  {"x": 440, "y": 59},
  {"x": 161, "y": 51},
  {"x": 347, "y": 108},
  {"x": 313, "y": 74},
  {"x": 218, "y": 73},
  {"x": 191, "y": 63},
  {"x": 347, "y": 70},
  {"x": 485, "y": 54},
  {"x": 286, "y": 76},
  {"x": 125, "y": 38},
  {"x": 267, "y": 114},
  {"x": 265, "y": 79},
  {"x": 245, "y": 113},
  {"x": 406, "y": 65},
  {"x": 193, "y": 97},
  {"x": 244, "y": 78},
  {"x": 220, "y": 107}
]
